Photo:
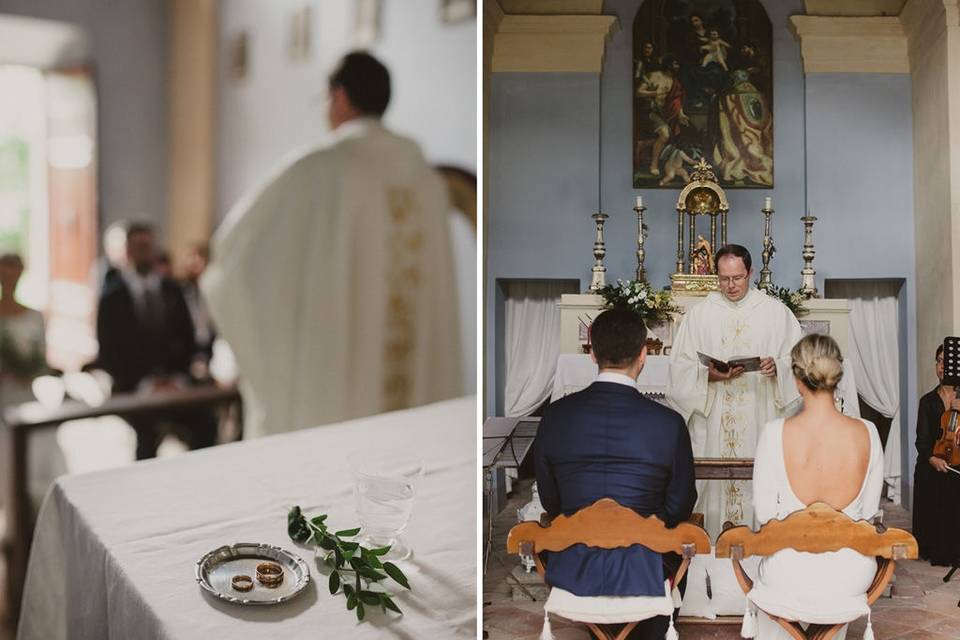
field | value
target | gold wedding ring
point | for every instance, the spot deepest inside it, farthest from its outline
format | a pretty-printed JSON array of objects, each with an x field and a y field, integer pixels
[
  {"x": 242, "y": 583},
  {"x": 270, "y": 574}
]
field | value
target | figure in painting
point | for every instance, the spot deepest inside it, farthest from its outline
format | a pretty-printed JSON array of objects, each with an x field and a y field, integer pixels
[
  {"x": 664, "y": 93},
  {"x": 715, "y": 50},
  {"x": 744, "y": 125},
  {"x": 672, "y": 160},
  {"x": 757, "y": 66},
  {"x": 647, "y": 62}
]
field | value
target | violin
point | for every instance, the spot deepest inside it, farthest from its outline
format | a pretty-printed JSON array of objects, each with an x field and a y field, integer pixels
[{"x": 947, "y": 446}]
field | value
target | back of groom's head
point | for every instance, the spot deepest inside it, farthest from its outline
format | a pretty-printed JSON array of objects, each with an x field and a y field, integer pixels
[{"x": 618, "y": 337}]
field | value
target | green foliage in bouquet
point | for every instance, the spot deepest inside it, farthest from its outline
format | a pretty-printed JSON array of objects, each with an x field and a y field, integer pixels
[
  {"x": 652, "y": 305},
  {"x": 793, "y": 300}
]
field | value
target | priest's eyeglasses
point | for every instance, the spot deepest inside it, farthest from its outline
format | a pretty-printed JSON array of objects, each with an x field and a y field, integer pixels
[{"x": 732, "y": 279}]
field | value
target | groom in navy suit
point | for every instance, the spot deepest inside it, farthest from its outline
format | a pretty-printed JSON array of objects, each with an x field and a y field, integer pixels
[{"x": 608, "y": 441}]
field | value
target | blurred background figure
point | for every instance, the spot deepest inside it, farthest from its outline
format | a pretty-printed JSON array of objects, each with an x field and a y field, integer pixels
[
  {"x": 203, "y": 331},
  {"x": 114, "y": 256},
  {"x": 22, "y": 359},
  {"x": 146, "y": 340},
  {"x": 162, "y": 264}
]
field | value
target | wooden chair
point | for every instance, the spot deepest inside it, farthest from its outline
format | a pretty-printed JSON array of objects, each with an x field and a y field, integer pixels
[
  {"x": 608, "y": 525},
  {"x": 818, "y": 529}
]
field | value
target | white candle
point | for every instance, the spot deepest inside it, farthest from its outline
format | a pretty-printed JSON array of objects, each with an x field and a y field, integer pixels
[
  {"x": 639, "y": 202},
  {"x": 768, "y": 203}
]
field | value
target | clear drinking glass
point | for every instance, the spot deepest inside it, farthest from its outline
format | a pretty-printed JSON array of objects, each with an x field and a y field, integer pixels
[{"x": 383, "y": 492}]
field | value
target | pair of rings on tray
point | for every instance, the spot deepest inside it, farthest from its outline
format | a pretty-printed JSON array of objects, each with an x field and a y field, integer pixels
[{"x": 269, "y": 574}]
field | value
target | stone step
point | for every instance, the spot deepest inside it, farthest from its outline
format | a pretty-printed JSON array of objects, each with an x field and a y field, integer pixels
[{"x": 723, "y": 628}]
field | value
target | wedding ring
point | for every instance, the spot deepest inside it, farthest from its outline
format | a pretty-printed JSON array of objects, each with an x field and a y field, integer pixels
[
  {"x": 270, "y": 574},
  {"x": 242, "y": 583}
]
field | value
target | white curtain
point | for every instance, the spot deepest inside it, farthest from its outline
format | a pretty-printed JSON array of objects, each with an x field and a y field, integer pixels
[
  {"x": 532, "y": 339},
  {"x": 875, "y": 355}
]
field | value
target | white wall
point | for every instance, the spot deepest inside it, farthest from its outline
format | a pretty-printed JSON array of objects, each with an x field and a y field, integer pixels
[{"x": 281, "y": 105}]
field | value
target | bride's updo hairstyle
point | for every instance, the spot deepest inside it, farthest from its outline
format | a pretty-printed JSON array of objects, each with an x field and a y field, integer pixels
[{"x": 817, "y": 362}]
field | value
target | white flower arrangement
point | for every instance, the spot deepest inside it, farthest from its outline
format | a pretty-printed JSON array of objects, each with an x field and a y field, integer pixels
[{"x": 652, "y": 305}]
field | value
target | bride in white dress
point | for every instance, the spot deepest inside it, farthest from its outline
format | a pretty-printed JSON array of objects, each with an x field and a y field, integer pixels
[
  {"x": 818, "y": 455},
  {"x": 23, "y": 358}
]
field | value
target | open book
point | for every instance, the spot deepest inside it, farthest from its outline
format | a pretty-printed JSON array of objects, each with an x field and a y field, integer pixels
[{"x": 749, "y": 363}]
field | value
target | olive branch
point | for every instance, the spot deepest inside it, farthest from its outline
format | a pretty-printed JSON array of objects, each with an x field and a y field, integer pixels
[{"x": 346, "y": 557}]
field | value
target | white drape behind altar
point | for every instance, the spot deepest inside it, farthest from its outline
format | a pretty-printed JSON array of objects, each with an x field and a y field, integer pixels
[
  {"x": 874, "y": 351},
  {"x": 532, "y": 338}
]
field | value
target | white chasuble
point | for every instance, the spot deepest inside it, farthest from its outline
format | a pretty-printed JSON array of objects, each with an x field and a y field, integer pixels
[
  {"x": 333, "y": 283},
  {"x": 725, "y": 417}
]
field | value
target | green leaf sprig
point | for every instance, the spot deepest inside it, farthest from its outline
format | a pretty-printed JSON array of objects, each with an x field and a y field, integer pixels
[{"x": 354, "y": 567}]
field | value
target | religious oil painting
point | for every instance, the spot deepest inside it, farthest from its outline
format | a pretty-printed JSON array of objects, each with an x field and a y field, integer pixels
[{"x": 702, "y": 88}]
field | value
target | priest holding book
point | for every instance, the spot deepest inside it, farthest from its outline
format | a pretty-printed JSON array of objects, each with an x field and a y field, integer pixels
[{"x": 725, "y": 407}]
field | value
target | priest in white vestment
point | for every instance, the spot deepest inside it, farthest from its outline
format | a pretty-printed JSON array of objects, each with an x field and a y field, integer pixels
[
  {"x": 333, "y": 282},
  {"x": 726, "y": 410}
]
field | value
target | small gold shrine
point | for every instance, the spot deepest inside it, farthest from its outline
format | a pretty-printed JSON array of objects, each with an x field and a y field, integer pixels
[{"x": 696, "y": 273}]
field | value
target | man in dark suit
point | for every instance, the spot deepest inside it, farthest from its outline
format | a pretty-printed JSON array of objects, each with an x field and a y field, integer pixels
[
  {"x": 147, "y": 341},
  {"x": 608, "y": 441}
]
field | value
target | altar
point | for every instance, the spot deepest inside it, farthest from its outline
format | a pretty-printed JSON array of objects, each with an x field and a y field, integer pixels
[
  {"x": 577, "y": 371},
  {"x": 577, "y": 311}
]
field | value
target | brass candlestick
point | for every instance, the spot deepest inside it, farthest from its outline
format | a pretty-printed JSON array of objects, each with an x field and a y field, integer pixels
[
  {"x": 809, "y": 284},
  {"x": 679, "y": 238},
  {"x": 766, "y": 282},
  {"x": 599, "y": 279},
  {"x": 641, "y": 236}
]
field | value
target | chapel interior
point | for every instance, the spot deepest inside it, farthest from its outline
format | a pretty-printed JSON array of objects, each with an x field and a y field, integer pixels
[{"x": 861, "y": 207}]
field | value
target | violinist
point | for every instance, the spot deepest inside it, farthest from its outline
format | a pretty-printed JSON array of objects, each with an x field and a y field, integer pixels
[{"x": 936, "y": 490}]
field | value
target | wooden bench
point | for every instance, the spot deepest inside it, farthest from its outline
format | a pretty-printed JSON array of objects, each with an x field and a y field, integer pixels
[
  {"x": 818, "y": 529},
  {"x": 607, "y": 525}
]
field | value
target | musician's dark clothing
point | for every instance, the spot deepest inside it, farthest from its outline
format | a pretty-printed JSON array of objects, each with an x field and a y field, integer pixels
[{"x": 936, "y": 496}]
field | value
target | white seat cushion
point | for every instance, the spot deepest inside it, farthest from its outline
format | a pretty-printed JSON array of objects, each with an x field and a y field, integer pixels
[
  {"x": 821, "y": 588},
  {"x": 608, "y": 609},
  {"x": 813, "y": 608},
  {"x": 726, "y": 596},
  {"x": 696, "y": 602}
]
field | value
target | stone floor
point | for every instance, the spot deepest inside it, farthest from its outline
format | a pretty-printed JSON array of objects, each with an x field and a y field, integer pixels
[{"x": 922, "y": 605}]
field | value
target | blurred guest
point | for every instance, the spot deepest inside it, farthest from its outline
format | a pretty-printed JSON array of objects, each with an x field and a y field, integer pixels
[
  {"x": 114, "y": 258},
  {"x": 162, "y": 265},
  {"x": 23, "y": 358},
  {"x": 203, "y": 330},
  {"x": 333, "y": 282},
  {"x": 146, "y": 340}
]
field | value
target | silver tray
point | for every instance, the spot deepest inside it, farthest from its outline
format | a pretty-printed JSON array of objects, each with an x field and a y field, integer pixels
[{"x": 216, "y": 569}]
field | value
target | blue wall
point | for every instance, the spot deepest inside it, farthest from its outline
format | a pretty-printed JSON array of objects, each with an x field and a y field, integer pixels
[
  {"x": 842, "y": 149},
  {"x": 860, "y": 176},
  {"x": 745, "y": 220}
]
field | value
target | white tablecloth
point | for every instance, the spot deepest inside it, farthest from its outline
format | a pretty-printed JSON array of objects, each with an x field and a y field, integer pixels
[
  {"x": 577, "y": 371},
  {"x": 115, "y": 551}
]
